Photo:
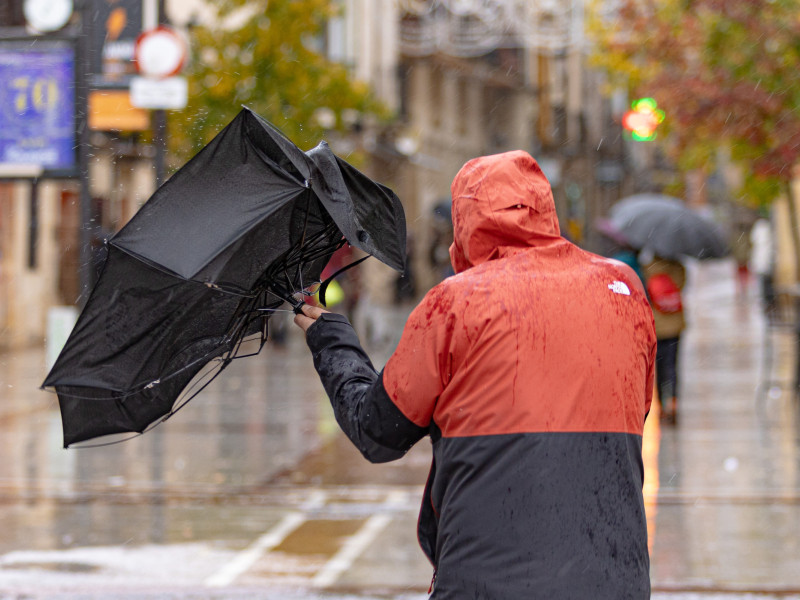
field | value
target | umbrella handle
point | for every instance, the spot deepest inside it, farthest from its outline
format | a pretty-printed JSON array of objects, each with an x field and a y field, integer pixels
[
  {"x": 280, "y": 292},
  {"x": 297, "y": 306}
]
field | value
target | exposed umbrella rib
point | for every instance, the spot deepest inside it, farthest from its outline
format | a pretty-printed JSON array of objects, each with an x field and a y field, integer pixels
[
  {"x": 147, "y": 261},
  {"x": 305, "y": 221},
  {"x": 227, "y": 288},
  {"x": 217, "y": 370},
  {"x": 238, "y": 324},
  {"x": 181, "y": 403},
  {"x": 79, "y": 445},
  {"x": 321, "y": 252},
  {"x": 139, "y": 387},
  {"x": 327, "y": 251},
  {"x": 299, "y": 252}
]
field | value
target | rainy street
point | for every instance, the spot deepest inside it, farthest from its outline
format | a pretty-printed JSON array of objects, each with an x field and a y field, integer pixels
[
  {"x": 177, "y": 177},
  {"x": 251, "y": 492}
]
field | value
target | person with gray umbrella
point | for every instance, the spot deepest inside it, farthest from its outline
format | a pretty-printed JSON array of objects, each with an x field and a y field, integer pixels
[{"x": 665, "y": 228}]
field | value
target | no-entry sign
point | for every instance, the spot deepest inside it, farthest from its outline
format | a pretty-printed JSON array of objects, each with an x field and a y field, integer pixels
[{"x": 160, "y": 52}]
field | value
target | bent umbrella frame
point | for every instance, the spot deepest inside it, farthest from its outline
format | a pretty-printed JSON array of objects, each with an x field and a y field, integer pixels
[{"x": 247, "y": 224}]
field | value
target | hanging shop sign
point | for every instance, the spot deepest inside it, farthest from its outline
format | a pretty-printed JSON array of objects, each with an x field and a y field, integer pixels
[{"x": 116, "y": 24}]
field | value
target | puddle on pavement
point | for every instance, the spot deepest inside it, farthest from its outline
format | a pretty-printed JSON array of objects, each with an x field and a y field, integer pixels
[
  {"x": 319, "y": 537},
  {"x": 338, "y": 462},
  {"x": 303, "y": 554},
  {"x": 51, "y": 525}
]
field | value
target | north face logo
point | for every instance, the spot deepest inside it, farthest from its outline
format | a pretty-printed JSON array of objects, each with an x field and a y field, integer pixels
[{"x": 619, "y": 287}]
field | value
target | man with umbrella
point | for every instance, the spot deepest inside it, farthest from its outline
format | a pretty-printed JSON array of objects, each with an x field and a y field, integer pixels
[
  {"x": 531, "y": 369},
  {"x": 178, "y": 297}
]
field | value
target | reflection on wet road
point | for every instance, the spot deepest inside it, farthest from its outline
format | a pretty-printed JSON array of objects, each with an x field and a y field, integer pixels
[{"x": 249, "y": 491}]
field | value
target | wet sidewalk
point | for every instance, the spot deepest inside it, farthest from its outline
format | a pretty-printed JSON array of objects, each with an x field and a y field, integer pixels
[
  {"x": 251, "y": 492},
  {"x": 723, "y": 486}
]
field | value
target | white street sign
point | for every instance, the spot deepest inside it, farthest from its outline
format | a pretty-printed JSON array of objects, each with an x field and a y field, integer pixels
[
  {"x": 147, "y": 92},
  {"x": 160, "y": 52}
]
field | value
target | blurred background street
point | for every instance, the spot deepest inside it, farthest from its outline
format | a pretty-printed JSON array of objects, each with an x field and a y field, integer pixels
[{"x": 251, "y": 492}]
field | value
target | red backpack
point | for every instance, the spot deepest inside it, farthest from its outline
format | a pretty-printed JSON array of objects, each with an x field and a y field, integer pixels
[{"x": 664, "y": 293}]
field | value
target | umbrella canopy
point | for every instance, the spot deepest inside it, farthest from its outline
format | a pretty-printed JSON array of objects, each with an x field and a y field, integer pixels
[
  {"x": 666, "y": 226},
  {"x": 247, "y": 223}
]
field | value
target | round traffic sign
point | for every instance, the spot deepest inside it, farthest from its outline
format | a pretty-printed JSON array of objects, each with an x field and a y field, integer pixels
[{"x": 159, "y": 52}]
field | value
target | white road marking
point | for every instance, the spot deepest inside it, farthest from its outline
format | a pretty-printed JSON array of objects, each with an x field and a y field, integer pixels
[
  {"x": 248, "y": 557},
  {"x": 356, "y": 544}
]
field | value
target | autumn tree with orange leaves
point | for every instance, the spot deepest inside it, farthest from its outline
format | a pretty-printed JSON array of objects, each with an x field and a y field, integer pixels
[{"x": 725, "y": 73}]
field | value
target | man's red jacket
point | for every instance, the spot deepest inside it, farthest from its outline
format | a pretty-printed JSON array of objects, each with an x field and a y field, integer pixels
[{"x": 532, "y": 371}]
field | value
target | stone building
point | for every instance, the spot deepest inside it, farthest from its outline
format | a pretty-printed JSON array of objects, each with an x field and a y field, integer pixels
[
  {"x": 474, "y": 77},
  {"x": 463, "y": 77}
]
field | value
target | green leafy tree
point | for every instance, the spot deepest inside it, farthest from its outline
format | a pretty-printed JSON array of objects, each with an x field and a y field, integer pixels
[{"x": 270, "y": 62}]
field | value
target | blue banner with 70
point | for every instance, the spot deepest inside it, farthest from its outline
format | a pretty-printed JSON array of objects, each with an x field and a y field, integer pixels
[{"x": 37, "y": 104}]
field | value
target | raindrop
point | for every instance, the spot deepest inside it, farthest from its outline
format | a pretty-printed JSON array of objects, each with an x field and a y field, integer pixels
[
  {"x": 231, "y": 51},
  {"x": 772, "y": 45},
  {"x": 731, "y": 464}
]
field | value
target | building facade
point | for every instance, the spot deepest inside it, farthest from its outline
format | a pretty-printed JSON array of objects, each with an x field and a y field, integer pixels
[
  {"x": 463, "y": 77},
  {"x": 474, "y": 77}
]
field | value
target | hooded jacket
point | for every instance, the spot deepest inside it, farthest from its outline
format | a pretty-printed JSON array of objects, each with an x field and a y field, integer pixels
[{"x": 532, "y": 371}]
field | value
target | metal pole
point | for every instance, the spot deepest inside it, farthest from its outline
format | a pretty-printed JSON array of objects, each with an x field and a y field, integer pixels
[
  {"x": 159, "y": 120},
  {"x": 33, "y": 229},
  {"x": 153, "y": 14},
  {"x": 83, "y": 68}
]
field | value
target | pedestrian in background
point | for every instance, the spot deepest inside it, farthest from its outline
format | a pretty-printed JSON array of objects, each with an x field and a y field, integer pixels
[
  {"x": 628, "y": 255},
  {"x": 441, "y": 238},
  {"x": 762, "y": 260},
  {"x": 531, "y": 369},
  {"x": 616, "y": 246},
  {"x": 665, "y": 280},
  {"x": 741, "y": 246},
  {"x": 376, "y": 303},
  {"x": 405, "y": 284}
]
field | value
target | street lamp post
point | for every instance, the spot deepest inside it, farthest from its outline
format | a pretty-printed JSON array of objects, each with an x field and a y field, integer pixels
[
  {"x": 83, "y": 68},
  {"x": 154, "y": 15}
]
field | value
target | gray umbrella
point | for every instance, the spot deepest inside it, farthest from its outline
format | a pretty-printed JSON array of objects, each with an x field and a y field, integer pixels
[{"x": 667, "y": 227}]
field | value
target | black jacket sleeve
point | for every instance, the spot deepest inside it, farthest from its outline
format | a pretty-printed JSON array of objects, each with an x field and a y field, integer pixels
[{"x": 363, "y": 409}]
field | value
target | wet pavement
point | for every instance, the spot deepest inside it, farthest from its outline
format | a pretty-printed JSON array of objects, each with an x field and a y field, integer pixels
[{"x": 251, "y": 492}]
